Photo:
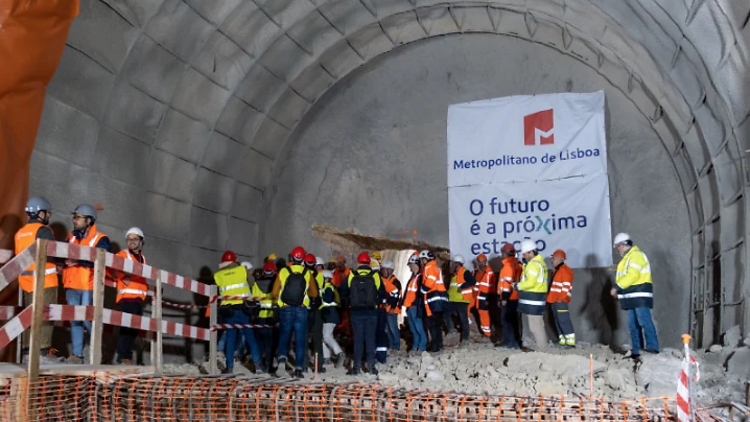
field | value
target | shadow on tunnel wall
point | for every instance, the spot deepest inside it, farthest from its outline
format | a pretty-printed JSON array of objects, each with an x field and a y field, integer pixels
[{"x": 599, "y": 308}]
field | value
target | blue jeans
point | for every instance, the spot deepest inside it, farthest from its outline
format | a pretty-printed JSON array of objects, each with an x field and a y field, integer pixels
[
  {"x": 416, "y": 325},
  {"x": 239, "y": 317},
  {"x": 84, "y": 298},
  {"x": 639, "y": 319},
  {"x": 394, "y": 335},
  {"x": 293, "y": 318},
  {"x": 364, "y": 325}
]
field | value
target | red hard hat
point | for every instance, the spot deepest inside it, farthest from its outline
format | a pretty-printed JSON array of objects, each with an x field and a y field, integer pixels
[
  {"x": 310, "y": 259},
  {"x": 229, "y": 256},
  {"x": 508, "y": 247},
  {"x": 269, "y": 267},
  {"x": 363, "y": 258},
  {"x": 298, "y": 253}
]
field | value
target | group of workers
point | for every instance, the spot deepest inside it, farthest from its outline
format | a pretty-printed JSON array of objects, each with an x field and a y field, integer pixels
[{"x": 284, "y": 301}]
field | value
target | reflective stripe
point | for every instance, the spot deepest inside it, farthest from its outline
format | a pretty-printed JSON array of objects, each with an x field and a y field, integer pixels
[
  {"x": 507, "y": 278},
  {"x": 266, "y": 305},
  {"x": 231, "y": 286},
  {"x": 46, "y": 272},
  {"x": 432, "y": 277},
  {"x": 532, "y": 302},
  {"x": 132, "y": 292},
  {"x": 555, "y": 290},
  {"x": 437, "y": 298},
  {"x": 505, "y": 289},
  {"x": 638, "y": 294},
  {"x": 381, "y": 349}
]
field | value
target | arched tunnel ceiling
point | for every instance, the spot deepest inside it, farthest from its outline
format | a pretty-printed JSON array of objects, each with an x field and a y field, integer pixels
[{"x": 176, "y": 114}]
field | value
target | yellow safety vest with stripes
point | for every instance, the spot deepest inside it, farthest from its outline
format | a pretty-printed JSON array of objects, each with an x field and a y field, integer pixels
[
  {"x": 265, "y": 299},
  {"x": 532, "y": 289},
  {"x": 232, "y": 281},
  {"x": 634, "y": 286}
]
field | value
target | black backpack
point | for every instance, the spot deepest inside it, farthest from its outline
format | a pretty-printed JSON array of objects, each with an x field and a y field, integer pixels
[
  {"x": 363, "y": 293},
  {"x": 294, "y": 288}
]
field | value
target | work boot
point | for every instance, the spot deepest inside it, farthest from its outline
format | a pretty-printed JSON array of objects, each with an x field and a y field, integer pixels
[
  {"x": 339, "y": 360},
  {"x": 73, "y": 359},
  {"x": 374, "y": 371},
  {"x": 651, "y": 351},
  {"x": 226, "y": 371},
  {"x": 298, "y": 374},
  {"x": 126, "y": 362},
  {"x": 353, "y": 371}
]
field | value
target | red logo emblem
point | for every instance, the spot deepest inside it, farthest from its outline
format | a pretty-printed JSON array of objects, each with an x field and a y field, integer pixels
[{"x": 538, "y": 128}]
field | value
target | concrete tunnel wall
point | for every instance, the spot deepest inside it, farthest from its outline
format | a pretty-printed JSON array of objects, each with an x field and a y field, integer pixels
[{"x": 183, "y": 117}]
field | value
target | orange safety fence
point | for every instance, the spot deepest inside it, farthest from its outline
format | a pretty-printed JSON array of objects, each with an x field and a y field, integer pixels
[{"x": 144, "y": 398}]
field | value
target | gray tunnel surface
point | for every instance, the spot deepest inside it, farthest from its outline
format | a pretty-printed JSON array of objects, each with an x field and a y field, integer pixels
[{"x": 237, "y": 124}]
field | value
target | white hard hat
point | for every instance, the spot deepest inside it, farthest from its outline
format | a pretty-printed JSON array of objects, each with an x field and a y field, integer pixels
[
  {"x": 621, "y": 237},
  {"x": 327, "y": 274},
  {"x": 375, "y": 265},
  {"x": 247, "y": 265},
  {"x": 528, "y": 246},
  {"x": 428, "y": 255},
  {"x": 414, "y": 259},
  {"x": 136, "y": 231},
  {"x": 388, "y": 264},
  {"x": 319, "y": 261},
  {"x": 458, "y": 258}
]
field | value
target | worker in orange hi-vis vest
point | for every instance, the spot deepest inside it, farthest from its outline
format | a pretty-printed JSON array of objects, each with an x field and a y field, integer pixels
[
  {"x": 510, "y": 274},
  {"x": 131, "y": 293},
  {"x": 39, "y": 211},
  {"x": 559, "y": 298},
  {"x": 484, "y": 276}
]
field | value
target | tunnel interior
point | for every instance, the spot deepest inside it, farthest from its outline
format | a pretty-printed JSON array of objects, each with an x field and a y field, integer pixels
[{"x": 239, "y": 124}]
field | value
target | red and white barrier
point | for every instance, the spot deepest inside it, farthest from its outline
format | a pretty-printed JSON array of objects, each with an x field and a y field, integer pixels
[
  {"x": 8, "y": 312},
  {"x": 15, "y": 326},
  {"x": 685, "y": 409},
  {"x": 13, "y": 268},
  {"x": 5, "y": 255},
  {"x": 218, "y": 327}
]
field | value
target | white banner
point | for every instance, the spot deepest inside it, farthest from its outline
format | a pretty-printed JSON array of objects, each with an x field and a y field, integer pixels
[
  {"x": 526, "y": 139},
  {"x": 569, "y": 214},
  {"x": 530, "y": 167}
]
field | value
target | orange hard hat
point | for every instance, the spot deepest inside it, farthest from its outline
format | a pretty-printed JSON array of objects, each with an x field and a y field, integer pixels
[
  {"x": 482, "y": 257},
  {"x": 228, "y": 256},
  {"x": 559, "y": 253},
  {"x": 508, "y": 247},
  {"x": 341, "y": 258}
]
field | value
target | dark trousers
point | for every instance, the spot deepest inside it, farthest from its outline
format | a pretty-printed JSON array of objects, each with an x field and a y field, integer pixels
[
  {"x": 511, "y": 329},
  {"x": 436, "y": 332},
  {"x": 315, "y": 326},
  {"x": 363, "y": 325},
  {"x": 462, "y": 309},
  {"x": 127, "y": 335},
  {"x": 264, "y": 338},
  {"x": 381, "y": 337}
]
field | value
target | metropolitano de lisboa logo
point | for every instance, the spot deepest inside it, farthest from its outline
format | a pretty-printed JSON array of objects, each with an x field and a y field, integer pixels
[{"x": 538, "y": 129}]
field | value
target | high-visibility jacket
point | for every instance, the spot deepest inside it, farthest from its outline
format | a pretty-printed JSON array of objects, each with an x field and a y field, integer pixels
[
  {"x": 262, "y": 291},
  {"x": 363, "y": 270},
  {"x": 330, "y": 302},
  {"x": 562, "y": 285},
  {"x": 412, "y": 290},
  {"x": 633, "y": 283},
  {"x": 25, "y": 237},
  {"x": 232, "y": 281},
  {"x": 436, "y": 297},
  {"x": 484, "y": 280},
  {"x": 510, "y": 274},
  {"x": 284, "y": 274},
  {"x": 80, "y": 277},
  {"x": 137, "y": 287},
  {"x": 533, "y": 287},
  {"x": 393, "y": 292},
  {"x": 461, "y": 287},
  {"x": 339, "y": 276}
]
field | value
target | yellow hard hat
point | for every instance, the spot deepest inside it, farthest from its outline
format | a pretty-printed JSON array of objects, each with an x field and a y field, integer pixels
[
  {"x": 376, "y": 256},
  {"x": 333, "y": 259},
  {"x": 272, "y": 257},
  {"x": 375, "y": 265}
]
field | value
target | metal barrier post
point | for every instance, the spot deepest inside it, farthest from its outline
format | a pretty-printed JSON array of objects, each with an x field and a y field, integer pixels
[
  {"x": 212, "y": 352},
  {"x": 97, "y": 324},
  {"x": 159, "y": 334}
]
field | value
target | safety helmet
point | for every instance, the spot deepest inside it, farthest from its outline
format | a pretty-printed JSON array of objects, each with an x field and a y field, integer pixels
[
  {"x": 620, "y": 238},
  {"x": 528, "y": 246},
  {"x": 388, "y": 264},
  {"x": 481, "y": 257},
  {"x": 414, "y": 259},
  {"x": 298, "y": 254},
  {"x": 341, "y": 258},
  {"x": 247, "y": 265},
  {"x": 86, "y": 210},
  {"x": 375, "y": 265},
  {"x": 228, "y": 256},
  {"x": 559, "y": 253},
  {"x": 136, "y": 231},
  {"x": 269, "y": 267},
  {"x": 310, "y": 259},
  {"x": 272, "y": 257},
  {"x": 428, "y": 255},
  {"x": 36, "y": 204},
  {"x": 509, "y": 248},
  {"x": 319, "y": 261},
  {"x": 327, "y": 274},
  {"x": 376, "y": 255},
  {"x": 459, "y": 259},
  {"x": 363, "y": 258}
]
